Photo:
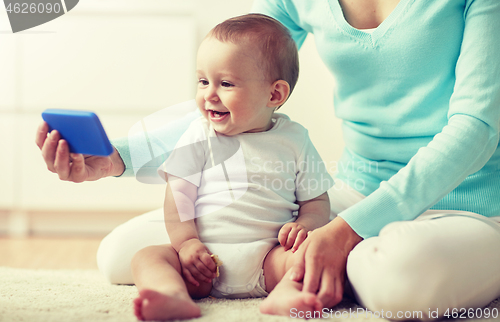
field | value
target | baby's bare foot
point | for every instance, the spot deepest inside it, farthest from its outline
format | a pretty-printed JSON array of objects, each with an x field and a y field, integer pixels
[
  {"x": 286, "y": 298},
  {"x": 152, "y": 305}
]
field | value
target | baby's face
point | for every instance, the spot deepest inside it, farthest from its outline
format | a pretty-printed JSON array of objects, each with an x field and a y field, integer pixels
[{"x": 233, "y": 92}]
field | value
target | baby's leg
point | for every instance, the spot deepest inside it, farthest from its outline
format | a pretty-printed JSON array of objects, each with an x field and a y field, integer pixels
[
  {"x": 163, "y": 293},
  {"x": 285, "y": 296}
]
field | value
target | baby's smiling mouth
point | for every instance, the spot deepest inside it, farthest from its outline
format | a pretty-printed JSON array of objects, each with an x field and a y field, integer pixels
[{"x": 217, "y": 114}]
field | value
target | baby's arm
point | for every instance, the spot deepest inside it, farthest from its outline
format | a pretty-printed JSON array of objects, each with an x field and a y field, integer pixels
[
  {"x": 194, "y": 256},
  {"x": 313, "y": 214}
]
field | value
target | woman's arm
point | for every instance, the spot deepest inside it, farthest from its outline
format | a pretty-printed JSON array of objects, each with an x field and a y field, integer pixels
[
  {"x": 286, "y": 13},
  {"x": 462, "y": 148},
  {"x": 464, "y": 145},
  {"x": 143, "y": 151}
]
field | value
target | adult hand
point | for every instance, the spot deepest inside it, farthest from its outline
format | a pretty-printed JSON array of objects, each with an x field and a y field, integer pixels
[
  {"x": 196, "y": 263},
  {"x": 322, "y": 260},
  {"x": 71, "y": 166}
]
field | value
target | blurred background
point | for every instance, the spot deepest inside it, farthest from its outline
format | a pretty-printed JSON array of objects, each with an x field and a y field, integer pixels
[{"x": 124, "y": 60}]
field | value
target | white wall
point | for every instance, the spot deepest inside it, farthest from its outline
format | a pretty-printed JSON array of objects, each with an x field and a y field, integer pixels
[{"x": 124, "y": 60}]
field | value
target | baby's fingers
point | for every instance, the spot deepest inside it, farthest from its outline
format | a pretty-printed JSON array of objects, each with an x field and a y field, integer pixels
[
  {"x": 301, "y": 236},
  {"x": 189, "y": 277},
  {"x": 292, "y": 236},
  {"x": 283, "y": 235},
  {"x": 199, "y": 272},
  {"x": 204, "y": 272},
  {"x": 209, "y": 263}
]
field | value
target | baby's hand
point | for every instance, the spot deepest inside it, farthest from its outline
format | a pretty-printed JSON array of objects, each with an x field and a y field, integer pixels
[
  {"x": 291, "y": 235},
  {"x": 196, "y": 263}
]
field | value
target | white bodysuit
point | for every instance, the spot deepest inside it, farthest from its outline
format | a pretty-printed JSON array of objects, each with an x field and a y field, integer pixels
[{"x": 248, "y": 188}]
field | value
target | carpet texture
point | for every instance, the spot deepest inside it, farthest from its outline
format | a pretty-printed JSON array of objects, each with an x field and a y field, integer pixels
[{"x": 84, "y": 295}]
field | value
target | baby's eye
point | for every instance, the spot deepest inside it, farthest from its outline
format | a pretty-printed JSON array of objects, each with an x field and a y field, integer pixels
[
  {"x": 226, "y": 84},
  {"x": 203, "y": 82}
]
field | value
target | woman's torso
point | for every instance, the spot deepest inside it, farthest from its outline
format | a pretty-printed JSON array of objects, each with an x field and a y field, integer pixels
[{"x": 367, "y": 14}]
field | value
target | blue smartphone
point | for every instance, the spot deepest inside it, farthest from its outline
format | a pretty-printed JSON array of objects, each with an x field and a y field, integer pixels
[{"x": 81, "y": 129}]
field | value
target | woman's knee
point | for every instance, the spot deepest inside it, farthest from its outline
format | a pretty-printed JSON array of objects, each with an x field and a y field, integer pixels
[
  {"x": 427, "y": 265},
  {"x": 112, "y": 262},
  {"x": 397, "y": 275},
  {"x": 117, "y": 249}
]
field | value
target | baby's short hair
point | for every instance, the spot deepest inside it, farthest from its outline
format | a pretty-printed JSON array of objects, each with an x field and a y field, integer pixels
[{"x": 278, "y": 49}]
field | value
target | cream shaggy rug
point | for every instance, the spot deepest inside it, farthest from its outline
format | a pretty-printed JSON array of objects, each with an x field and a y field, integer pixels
[{"x": 84, "y": 295}]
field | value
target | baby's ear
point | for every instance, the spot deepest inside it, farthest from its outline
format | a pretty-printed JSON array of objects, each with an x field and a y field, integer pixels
[{"x": 279, "y": 93}]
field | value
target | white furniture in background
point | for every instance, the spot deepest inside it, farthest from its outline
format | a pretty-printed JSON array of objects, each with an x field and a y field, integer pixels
[
  {"x": 121, "y": 59},
  {"x": 124, "y": 59}
]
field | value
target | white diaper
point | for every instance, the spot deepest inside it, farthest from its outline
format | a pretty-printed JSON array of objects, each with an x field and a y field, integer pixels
[{"x": 258, "y": 291}]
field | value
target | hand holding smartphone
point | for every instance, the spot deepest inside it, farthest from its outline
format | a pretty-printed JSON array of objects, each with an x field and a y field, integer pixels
[{"x": 81, "y": 129}]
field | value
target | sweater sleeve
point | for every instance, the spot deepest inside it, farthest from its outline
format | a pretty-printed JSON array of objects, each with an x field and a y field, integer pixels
[
  {"x": 463, "y": 146},
  {"x": 285, "y": 12},
  {"x": 143, "y": 152}
]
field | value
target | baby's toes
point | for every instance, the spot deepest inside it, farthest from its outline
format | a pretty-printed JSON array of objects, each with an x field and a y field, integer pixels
[{"x": 138, "y": 308}]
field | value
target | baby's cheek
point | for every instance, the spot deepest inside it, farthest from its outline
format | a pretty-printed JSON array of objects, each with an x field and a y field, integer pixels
[{"x": 200, "y": 101}]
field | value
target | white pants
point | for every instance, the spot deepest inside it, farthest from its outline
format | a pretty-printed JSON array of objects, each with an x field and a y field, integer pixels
[
  {"x": 416, "y": 270},
  {"x": 442, "y": 260}
]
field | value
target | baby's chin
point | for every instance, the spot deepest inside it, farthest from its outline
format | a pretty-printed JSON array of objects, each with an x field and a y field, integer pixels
[
  {"x": 222, "y": 129},
  {"x": 226, "y": 132}
]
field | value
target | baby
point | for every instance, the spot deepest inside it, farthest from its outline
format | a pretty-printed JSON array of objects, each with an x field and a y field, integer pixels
[{"x": 244, "y": 183}]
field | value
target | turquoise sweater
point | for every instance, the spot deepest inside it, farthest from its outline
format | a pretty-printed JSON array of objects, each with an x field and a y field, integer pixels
[
  {"x": 419, "y": 100},
  {"x": 420, "y": 104}
]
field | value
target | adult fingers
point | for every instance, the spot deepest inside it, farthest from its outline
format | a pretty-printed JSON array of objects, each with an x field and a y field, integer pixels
[
  {"x": 49, "y": 148},
  {"x": 329, "y": 289},
  {"x": 313, "y": 272},
  {"x": 339, "y": 290},
  {"x": 41, "y": 134},
  {"x": 61, "y": 161},
  {"x": 77, "y": 170},
  {"x": 298, "y": 268}
]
